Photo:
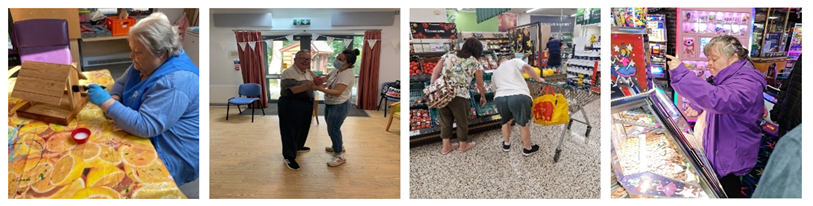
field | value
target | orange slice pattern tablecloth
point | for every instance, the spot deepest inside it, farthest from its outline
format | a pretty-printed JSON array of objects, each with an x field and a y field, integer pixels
[{"x": 45, "y": 162}]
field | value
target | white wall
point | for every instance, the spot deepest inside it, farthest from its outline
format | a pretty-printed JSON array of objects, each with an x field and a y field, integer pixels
[
  {"x": 224, "y": 80},
  {"x": 523, "y": 19},
  {"x": 586, "y": 31},
  {"x": 427, "y": 15},
  {"x": 172, "y": 14}
]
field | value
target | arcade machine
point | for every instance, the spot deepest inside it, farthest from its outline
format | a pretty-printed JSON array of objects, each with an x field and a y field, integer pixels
[
  {"x": 630, "y": 61},
  {"x": 696, "y": 27},
  {"x": 657, "y": 47}
]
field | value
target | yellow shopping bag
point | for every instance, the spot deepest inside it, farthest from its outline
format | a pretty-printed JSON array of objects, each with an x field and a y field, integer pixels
[{"x": 550, "y": 108}]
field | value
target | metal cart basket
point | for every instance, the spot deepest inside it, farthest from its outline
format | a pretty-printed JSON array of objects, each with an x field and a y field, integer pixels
[{"x": 576, "y": 99}]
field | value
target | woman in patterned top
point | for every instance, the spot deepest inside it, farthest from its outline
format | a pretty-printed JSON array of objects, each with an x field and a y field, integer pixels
[{"x": 460, "y": 68}]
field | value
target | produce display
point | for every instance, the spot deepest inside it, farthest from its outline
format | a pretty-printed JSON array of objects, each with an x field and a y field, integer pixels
[
  {"x": 488, "y": 62},
  {"x": 414, "y": 68},
  {"x": 418, "y": 102},
  {"x": 488, "y": 110},
  {"x": 428, "y": 67},
  {"x": 420, "y": 119}
]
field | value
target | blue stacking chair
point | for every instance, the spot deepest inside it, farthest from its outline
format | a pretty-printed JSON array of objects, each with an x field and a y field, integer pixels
[
  {"x": 384, "y": 87},
  {"x": 248, "y": 90}
]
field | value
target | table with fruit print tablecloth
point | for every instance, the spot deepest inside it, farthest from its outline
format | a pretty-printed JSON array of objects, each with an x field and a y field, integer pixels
[{"x": 45, "y": 162}]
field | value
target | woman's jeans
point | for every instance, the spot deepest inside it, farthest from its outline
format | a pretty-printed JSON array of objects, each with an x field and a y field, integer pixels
[{"x": 334, "y": 116}]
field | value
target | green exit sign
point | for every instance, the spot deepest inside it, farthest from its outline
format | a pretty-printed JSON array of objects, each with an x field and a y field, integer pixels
[{"x": 302, "y": 22}]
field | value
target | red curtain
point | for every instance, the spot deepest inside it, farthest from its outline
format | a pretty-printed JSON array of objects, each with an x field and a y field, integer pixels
[
  {"x": 368, "y": 75},
  {"x": 251, "y": 62}
]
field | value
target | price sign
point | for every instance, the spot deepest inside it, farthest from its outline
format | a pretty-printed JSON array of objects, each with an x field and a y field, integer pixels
[
  {"x": 437, "y": 47},
  {"x": 414, "y": 133},
  {"x": 496, "y": 117}
]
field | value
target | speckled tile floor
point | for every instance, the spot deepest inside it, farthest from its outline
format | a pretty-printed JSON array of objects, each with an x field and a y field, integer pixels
[{"x": 487, "y": 172}]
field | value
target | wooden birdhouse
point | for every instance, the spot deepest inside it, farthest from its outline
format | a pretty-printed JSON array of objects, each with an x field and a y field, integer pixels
[{"x": 49, "y": 91}]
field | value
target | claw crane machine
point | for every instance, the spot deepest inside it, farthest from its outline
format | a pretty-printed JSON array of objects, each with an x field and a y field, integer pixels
[{"x": 696, "y": 27}]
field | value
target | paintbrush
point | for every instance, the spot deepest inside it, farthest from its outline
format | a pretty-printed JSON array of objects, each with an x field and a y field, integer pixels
[{"x": 82, "y": 88}]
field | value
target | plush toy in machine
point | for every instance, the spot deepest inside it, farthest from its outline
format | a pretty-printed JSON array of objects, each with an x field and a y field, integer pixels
[
  {"x": 592, "y": 39},
  {"x": 688, "y": 45}
]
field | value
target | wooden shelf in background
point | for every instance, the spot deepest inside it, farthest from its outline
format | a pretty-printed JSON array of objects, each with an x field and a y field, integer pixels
[{"x": 107, "y": 38}]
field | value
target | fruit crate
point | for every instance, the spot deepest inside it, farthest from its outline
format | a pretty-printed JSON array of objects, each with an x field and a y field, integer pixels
[
  {"x": 419, "y": 119},
  {"x": 120, "y": 27},
  {"x": 482, "y": 111},
  {"x": 415, "y": 68},
  {"x": 416, "y": 92},
  {"x": 427, "y": 63}
]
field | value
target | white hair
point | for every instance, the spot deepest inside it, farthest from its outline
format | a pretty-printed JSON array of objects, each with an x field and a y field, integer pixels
[{"x": 157, "y": 34}]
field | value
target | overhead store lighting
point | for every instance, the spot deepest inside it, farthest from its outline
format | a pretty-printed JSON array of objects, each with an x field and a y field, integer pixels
[{"x": 532, "y": 10}]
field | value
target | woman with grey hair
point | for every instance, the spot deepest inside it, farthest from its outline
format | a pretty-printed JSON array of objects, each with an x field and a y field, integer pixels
[
  {"x": 157, "y": 97},
  {"x": 733, "y": 105}
]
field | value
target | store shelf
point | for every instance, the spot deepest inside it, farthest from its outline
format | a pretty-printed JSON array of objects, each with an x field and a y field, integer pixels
[
  {"x": 430, "y": 53},
  {"x": 420, "y": 78},
  {"x": 488, "y": 38},
  {"x": 419, "y": 106},
  {"x": 581, "y": 71},
  {"x": 472, "y": 123}
]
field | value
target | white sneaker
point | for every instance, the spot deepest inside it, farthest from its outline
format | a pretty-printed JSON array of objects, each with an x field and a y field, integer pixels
[
  {"x": 330, "y": 149},
  {"x": 337, "y": 160}
]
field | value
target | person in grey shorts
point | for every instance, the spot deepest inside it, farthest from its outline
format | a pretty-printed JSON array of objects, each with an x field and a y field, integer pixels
[{"x": 513, "y": 100}]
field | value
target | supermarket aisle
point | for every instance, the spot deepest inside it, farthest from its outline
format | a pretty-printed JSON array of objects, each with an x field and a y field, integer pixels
[{"x": 488, "y": 172}]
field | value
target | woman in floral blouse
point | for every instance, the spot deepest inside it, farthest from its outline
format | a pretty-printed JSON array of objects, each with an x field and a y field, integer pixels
[{"x": 460, "y": 68}]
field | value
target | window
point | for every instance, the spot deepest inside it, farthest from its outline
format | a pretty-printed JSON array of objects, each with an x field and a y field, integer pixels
[{"x": 280, "y": 55}]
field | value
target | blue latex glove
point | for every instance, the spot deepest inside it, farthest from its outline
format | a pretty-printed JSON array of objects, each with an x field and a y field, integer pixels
[{"x": 97, "y": 95}]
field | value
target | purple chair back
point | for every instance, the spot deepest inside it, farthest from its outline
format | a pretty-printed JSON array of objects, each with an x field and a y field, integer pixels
[{"x": 43, "y": 40}]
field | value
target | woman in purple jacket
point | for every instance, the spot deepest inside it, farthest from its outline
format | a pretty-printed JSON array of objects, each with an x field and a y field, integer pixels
[{"x": 733, "y": 105}]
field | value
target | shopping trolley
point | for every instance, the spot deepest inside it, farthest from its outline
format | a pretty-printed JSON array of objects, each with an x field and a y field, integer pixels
[{"x": 577, "y": 98}]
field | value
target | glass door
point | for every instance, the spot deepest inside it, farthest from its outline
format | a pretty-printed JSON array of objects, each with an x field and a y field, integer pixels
[
  {"x": 774, "y": 39},
  {"x": 760, "y": 17},
  {"x": 281, "y": 52}
]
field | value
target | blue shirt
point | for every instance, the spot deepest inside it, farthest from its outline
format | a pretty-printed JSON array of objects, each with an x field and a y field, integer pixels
[
  {"x": 167, "y": 113},
  {"x": 554, "y": 46}
]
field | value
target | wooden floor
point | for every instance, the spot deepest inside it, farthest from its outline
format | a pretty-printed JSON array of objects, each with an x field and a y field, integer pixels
[{"x": 246, "y": 159}]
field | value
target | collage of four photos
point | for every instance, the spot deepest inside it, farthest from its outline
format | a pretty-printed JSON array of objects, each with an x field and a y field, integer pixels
[{"x": 502, "y": 103}]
